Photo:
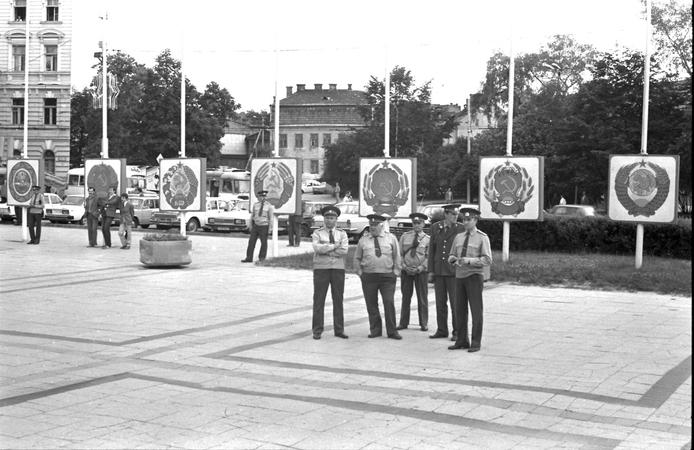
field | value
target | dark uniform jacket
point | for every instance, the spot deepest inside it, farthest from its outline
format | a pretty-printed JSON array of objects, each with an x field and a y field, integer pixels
[{"x": 440, "y": 246}]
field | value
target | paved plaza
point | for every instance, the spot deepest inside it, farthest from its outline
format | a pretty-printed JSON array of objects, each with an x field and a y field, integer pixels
[{"x": 99, "y": 352}]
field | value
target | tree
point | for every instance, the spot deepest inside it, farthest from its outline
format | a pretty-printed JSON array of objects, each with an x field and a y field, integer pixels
[{"x": 672, "y": 34}]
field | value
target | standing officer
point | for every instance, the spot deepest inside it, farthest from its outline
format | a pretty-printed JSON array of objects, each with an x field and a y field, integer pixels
[
  {"x": 34, "y": 215},
  {"x": 330, "y": 245},
  {"x": 261, "y": 226},
  {"x": 108, "y": 213},
  {"x": 377, "y": 262},
  {"x": 470, "y": 254},
  {"x": 441, "y": 272},
  {"x": 414, "y": 251},
  {"x": 125, "y": 229},
  {"x": 294, "y": 222},
  {"x": 91, "y": 211}
]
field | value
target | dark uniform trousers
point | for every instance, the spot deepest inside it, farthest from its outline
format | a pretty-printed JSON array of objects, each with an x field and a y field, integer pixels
[
  {"x": 418, "y": 283},
  {"x": 34, "y": 222},
  {"x": 371, "y": 284},
  {"x": 92, "y": 228},
  {"x": 469, "y": 290},
  {"x": 444, "y": 289},
  {"x": 261, "y": 232},
  {"x": 322, "y": 278}
]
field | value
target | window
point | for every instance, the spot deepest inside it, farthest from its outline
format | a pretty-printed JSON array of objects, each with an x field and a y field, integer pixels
[
  {"x": 314, "y": 166},
  {"x": 20, "y": 10},
  {"x": 283, "y": 141},
  {"x": 51, "y": 58},
  {"x": 50, "y": 111},
  {"x": 17, "y": 111},
  {"x": 327, "y": 139},
  {"x": 314, "y": 140},
  {"x": 51, "y": 10},
  {"x": 49, "y": 161},
  {"x": 299, "y": 140},
  {"x": 18, "y": 57}
]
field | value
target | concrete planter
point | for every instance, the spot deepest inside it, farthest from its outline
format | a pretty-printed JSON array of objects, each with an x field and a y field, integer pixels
[{"x": 166, "y": 253}]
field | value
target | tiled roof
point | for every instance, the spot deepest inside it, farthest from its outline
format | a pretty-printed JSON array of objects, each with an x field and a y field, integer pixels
[{"x": 325, "y": 97}]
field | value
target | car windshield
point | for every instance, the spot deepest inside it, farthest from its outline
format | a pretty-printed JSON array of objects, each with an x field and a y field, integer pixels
[
  {"x": 347, "y": 208},
  {"x": 241, "y": 205},
  {"x": 73, "y": 200},
  {"x": 137, "y": 202}
]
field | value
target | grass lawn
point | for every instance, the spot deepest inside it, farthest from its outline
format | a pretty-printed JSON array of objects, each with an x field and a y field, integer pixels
[{"x": 583, "y": 271}]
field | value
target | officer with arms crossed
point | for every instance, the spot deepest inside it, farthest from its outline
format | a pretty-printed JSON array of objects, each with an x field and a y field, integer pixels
[
  {"x": 330, "y": 245},
  {"x": 470, "y": 254}
]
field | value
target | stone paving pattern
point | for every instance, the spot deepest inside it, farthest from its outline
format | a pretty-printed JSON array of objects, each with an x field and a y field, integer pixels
[{"x": 99, "y": 352}]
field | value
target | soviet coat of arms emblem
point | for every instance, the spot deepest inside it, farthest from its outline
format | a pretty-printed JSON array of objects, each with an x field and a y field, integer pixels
[
  {"x": 386, "y": 188},
  {"x": 642, "y": 187},
  {"x": 508, "y": 187},
  {"x": 180, "y": 186},
  {"x": 276, "y": 178}
]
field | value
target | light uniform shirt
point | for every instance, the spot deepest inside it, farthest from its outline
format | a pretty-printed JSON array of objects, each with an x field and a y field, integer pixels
[
  {"x": 479, "y": 253},
  {"x": 264, "y": 219},
  {"x": 327, "y": 255},
  {"x": 420, "y": 259},
  {"x": 365, "y": 259},
  {"x": 37, "y": 204}
]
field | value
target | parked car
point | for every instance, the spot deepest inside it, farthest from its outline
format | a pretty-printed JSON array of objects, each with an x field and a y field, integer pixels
[
  {"x": 237, "y": 218},
  {"x": 405, "y": 224},
  {"x": 350, "y": 221},
  {"x": 7, "y": 212},
  {"x": 313, "y": 187},
  {"x": 311, "y": 209},
  {"x": 70, "y": 211},
  {"x": 195, "y": 219},
  {"x": 144, "y": 206},
  {"x": 572, "y": 210}
]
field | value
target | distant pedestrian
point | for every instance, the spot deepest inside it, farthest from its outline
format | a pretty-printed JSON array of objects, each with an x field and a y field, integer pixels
[
  {"x": 448, "y": 196},
  {"x": 348, "y": 197},
  {"x": 330, "y": 245},
  {"x": 414, "y": 252},
  {"x": 584, "y": 199},
  {"x": 471, "y": 252},
  {"x": 261, "y": 226},
  {"x": 377, "y": 262},
  {"x": 35, "y": 215},
  {"x": 108, "y": 213},
  {"x": 125, "y": 229},
  {"x": 91, "y": 212},
  {"x": 562, "y": 200},
  {"x": 294, "y": 222},
  {"x": 337, "y": 192}
]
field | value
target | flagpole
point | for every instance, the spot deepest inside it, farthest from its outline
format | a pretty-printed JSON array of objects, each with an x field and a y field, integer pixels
[
  {"x": 25, "y": 229},
  {"x": 644, "y": 124},
  {"x": 509, "y": 136}
]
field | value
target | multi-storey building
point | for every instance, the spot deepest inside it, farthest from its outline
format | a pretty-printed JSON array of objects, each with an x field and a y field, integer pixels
[
  {"x": 46, "y": 51},
  {"x": 310, "y": 119}
]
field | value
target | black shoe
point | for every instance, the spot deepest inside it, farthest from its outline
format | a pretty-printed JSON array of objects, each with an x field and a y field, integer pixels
[
  {"x": 122, "y": 247},
  {"x": 454, "y": 338},
  {"x": 316, "y": 336},
  {"x": 290, "y": 245},
  {"x": 401, "y": 327},
  {"x": 373, "y": 335},
  {"x": 341, "y": 335},
  {"x": 438, "y": 335},
  {"x": 457, "y": 347},
  {"x": 105, "y": 246},
  {"x": 91, "y": 246},
  {"x": 30, "y": 243},
  {"x": 425, "y": 328},
  {"x": 395, "y": 336},
  {"x": 473, "y": 349},
  {"x": 246, "y": 260}
]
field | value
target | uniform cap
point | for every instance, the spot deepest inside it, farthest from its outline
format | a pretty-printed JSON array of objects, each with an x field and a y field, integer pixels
[
  {"x": 376, "y": 218},
  {"x": 418, "y": 216},
  {"x": 330, "y": 210},
  {"x": 469, "y": 212},
  {"x": 36, "y": 187},
  {"x": 261, "y": 192},
  {"x": 451, "y": 206}
]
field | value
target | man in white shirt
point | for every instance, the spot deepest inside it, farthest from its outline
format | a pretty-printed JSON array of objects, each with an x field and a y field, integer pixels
[
  {"x": 34, "y": 216},
  {"x": 261, "y": 226},
  {"x": 414, "y": 251}
]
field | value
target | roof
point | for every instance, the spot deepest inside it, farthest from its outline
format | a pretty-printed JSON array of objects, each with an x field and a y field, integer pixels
[{"x": 326, "y": 97}]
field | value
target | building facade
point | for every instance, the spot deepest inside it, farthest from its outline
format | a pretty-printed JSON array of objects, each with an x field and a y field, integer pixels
[
  {"x": 46, "y": 51},
  {"x": 479, "y": 123},
  {"x": 311, "y": 119}
]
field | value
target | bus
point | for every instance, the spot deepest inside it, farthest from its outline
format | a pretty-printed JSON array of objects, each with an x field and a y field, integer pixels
[
  {"x": 229, "y": 184},
  {"x": 135, "y": 178}
]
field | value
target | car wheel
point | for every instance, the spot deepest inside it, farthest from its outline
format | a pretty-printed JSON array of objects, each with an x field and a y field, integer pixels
[
  {"x": 305, "y": 231},
  {"x": 81, "y": 222},
  {"x": 192, "y": 225},
  {"x": 136, "y": 222},
  {"x": 145, "y": 226}
]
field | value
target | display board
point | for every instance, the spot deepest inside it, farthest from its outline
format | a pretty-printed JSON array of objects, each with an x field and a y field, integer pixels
[
  {"x": 22, "y": 175},
  {"x": 182, "y": 183},
  {"x": 511, "y": 188},
  {"x": 277, "y": 176},
  {"x": 102, "y": 174},
  {"x": 643, "y": 188},
  {"x": 388, "y": 186}
]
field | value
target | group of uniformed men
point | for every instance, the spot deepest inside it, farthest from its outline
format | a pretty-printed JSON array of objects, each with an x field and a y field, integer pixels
[{"x": 453, "y": 258}]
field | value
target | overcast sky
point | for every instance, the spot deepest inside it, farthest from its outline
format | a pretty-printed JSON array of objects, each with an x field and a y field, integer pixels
[{"x": 446, "y": 41}]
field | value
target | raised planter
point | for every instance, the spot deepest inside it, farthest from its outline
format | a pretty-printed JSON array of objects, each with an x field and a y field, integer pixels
[{"x": 166, "y": 253}]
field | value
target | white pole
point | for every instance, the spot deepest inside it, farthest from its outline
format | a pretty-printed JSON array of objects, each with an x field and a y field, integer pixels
[
  {"x": 644, "y": 124},
  {"x": 509, "y": 135},
  {"x": 275, "y": 223},
  {"x": 386, "y": 127},
  {"x": 25, "y": 229},
  {"x": 104, "y": 90},
  {"x": 183, "y": 121},
  {"x": 469, "y": 137}
]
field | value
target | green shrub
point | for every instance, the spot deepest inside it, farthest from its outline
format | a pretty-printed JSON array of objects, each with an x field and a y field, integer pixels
[{"x": 170, "y": 235}]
